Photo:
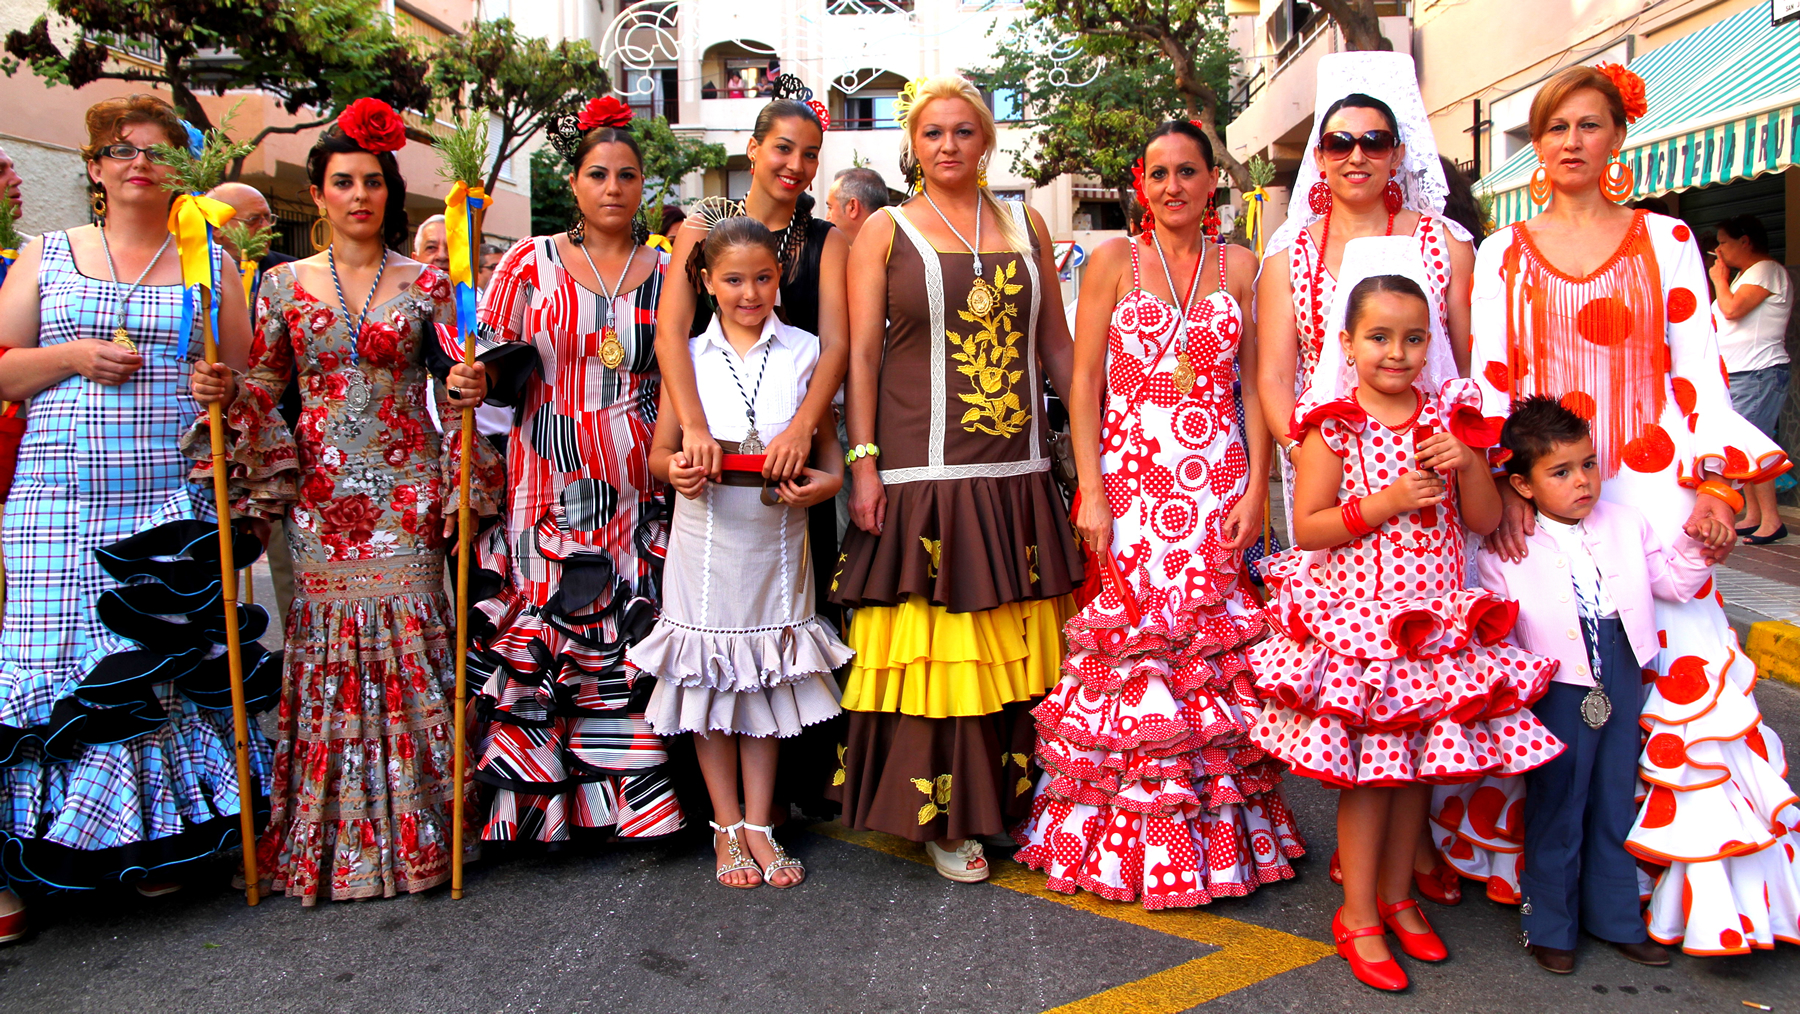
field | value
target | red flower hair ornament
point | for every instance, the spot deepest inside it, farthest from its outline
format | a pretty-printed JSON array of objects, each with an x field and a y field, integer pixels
[
  {"x": 374, "y": 125},
  {"x": 605, "y": 111},
  {"x": 1631, "y": 88}
]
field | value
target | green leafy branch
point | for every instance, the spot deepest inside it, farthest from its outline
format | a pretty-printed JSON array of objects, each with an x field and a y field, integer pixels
[
  {"x": 463, "y": 152},
  {"x": 251, "y": 244},
  {"x": 9, "y": 225},
  {"x": 191, "y": 174}
]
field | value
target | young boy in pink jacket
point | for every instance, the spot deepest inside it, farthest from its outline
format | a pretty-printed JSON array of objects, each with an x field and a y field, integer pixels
[{"x": 1585, "y": 592}]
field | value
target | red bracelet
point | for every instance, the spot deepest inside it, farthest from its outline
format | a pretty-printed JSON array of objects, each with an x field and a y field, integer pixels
[{"x": 1351, "y": 511}]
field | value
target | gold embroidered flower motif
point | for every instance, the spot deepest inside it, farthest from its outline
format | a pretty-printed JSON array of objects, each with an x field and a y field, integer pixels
[
  {"x": 1023, "y": 762},
  {"x": 937, "y": 797},
  {"x": 1031, "y": 562},
  {"x": 934, "y": 548},
  {"x": 835, "y": 575},
  {"x": 987, "y": 355},
  {"x": 837, "y": 777}
]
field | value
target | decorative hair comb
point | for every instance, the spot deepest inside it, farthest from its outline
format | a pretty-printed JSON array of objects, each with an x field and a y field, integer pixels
[
  {"x": 908, "y": 97},
  {"x": 566, "y": 129},
  {"x": 710, "y": 211}
]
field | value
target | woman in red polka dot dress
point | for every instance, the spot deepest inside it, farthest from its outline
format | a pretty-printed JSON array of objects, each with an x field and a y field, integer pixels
[
  {"x": 1151, "y": 788},
  {"x": 1603, "y": 307},
  {"x": 1387, "y": 675}
]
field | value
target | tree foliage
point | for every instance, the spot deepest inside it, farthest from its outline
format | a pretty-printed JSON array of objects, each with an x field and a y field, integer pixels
[
  {"x": 1187, "y": 38},
  {"x": 552, "y": 203},
  {"x": 1091, "y": 99},
  {"x": 668, "y": 157},
  {"x": 519, "y": 80},
  {"x": 313, "y": 54}
]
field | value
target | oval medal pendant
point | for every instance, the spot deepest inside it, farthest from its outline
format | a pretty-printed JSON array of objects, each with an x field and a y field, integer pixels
[
  {"x": 356, "y": 390},
  {"x": 1596, "y": 708},
  {"x": 1184, "y": 374},
  {"x": 751, "y": 444},
  {"x": 612, "y": 351},
  {"x": 122, "y": 338}
]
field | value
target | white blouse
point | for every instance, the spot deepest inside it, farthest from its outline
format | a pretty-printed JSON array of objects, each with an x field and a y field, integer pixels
[{"x": 783, "y": 356}]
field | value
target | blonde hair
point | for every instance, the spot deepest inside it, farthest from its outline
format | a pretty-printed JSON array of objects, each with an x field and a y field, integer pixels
[
  {"x": 923, "y": 91},
  {"x": 1567, "y": 82}
]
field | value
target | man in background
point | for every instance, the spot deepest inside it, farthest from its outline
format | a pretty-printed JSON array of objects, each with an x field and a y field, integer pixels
[
  {"x": 855, "y": 194},
  {"x": 430, "y": 246},
  {"x": 253, "y": 210}
]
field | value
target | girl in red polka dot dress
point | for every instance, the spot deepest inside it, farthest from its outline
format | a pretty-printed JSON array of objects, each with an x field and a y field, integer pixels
[{"x": 1387, "y": 675}]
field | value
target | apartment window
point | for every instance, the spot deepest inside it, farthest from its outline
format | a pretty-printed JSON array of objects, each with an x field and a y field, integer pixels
[
  {"x": 1006, "y": 105},
  {"x": 655, "y": 92},
  {"x": 143, "y": 47},
  {"x": 867, "y": 112}
]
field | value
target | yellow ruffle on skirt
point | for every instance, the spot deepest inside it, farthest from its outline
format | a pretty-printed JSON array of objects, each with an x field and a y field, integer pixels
[{"x": 919, "y": 659}]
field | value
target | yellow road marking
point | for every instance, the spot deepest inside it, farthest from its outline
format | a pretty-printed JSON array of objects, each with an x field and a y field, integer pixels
[{"x": 1246, "y": 954}]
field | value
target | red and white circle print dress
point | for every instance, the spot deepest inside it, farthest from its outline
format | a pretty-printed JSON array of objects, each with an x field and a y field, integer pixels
[
  {"x": 1385, "y": 670},
  {"x": 1151, "y": 787}
]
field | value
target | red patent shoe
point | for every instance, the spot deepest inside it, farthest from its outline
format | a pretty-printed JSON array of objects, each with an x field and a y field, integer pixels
[
  {"x": 1336, "y": 870},
  {"x": 12, "y": 926},
  {"x": 1384, "y": 975},
  {"x": 1442, "y": 885},
  {"x": 1426, "y": 946}
]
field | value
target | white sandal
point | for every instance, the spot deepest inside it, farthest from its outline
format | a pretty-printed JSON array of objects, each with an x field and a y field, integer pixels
[
  {"x": 959, "y": 865},
  {"x": 739, "y": 861},
  {"x": 783, "y": 861}
]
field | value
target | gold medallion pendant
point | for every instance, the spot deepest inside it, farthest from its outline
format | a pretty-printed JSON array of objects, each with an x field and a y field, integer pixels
[
  {"x": 122, "y": 338},
  {"x": 612, "y": 351},
  {"x": 1184, "y": 374}
]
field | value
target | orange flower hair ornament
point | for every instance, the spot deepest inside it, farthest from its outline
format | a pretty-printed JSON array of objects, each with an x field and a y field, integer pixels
[{"x": 1631, "y": 88}]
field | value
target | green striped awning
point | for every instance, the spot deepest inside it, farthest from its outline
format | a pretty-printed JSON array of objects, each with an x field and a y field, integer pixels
[{"x": 1724, "y": 105}]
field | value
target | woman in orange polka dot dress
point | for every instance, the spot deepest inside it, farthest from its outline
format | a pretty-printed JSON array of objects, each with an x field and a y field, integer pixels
[
  {"x": 1602, "y": 306},
  {"x": 1387, "y": 675}
]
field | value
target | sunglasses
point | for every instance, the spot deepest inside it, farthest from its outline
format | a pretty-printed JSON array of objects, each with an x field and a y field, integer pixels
[
  {"x": 125, "y": 152},
  {"x": 1338, "y": 144}
]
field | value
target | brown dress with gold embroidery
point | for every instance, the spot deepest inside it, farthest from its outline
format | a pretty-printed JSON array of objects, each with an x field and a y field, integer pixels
[{"x": 961, "y": 600}]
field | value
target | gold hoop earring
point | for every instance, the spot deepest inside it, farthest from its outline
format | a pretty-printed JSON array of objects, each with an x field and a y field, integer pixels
[
  {"x": 321, "y": 233},
  {"x": 99, "y": 205}
]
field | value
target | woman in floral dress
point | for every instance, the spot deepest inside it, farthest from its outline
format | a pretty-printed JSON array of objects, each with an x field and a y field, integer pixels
[
  {"x": 570, "y": 323},
  {"x": 362, "y": 791},
  {"x": 1151, "y": 787}
]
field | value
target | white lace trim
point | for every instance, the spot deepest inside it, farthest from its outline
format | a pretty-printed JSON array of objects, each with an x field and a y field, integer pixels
[{"x": 984, "y": 470}]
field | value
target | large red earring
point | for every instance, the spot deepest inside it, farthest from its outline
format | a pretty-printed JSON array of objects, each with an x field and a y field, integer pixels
[
  {"x": 1392, "y": 197},
  {"x": 1211, "y": 226},
  {"x": 1318, "y": 199},
  {"x": 1137, "y": 187}
]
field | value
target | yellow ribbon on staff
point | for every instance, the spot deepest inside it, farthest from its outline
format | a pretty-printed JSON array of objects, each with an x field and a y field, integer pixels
[
  {"x": 658, "y": 241},
  {"x": 457, "y": 228},
  {"x": 11, "y": 255},
  {"x": 1253, "y": 212},
  {"x": 188, "y": 218},
  {"x": 247, "y": 268}
]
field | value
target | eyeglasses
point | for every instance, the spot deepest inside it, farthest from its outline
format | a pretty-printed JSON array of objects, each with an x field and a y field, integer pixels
[
  {"x": 126, "y": 152},
  {"x": 1338, "y": 144}
]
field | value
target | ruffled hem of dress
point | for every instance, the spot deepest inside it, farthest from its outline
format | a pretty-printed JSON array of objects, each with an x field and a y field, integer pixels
[
  {"x": 1326, "y": 749},
  {"x": 923, "y": 659},
  {"x": 638, "y": 804},
  {"x": 1479, "y": 829},
  {"x": 262, "y": 464},
  {"x": 739, "y": 661},
  {"x": 967, "y": 545},
  {"x": 779, "y": 711},
  {"x": 1198, "y": 633},
  {"x": 1125, "y": 855},
  {"x": 53, "y": 866}
]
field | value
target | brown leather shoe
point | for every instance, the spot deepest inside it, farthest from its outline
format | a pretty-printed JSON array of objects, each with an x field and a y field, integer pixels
[
  {"x": 1552, "y": 959},
  {"x": 1647, "y": 952}
]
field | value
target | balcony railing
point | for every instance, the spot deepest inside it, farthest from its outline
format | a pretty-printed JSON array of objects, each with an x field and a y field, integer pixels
[{"x": 868, "y": 6}]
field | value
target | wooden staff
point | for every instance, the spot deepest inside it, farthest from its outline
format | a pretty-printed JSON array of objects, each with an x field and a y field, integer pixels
[
  {"x": 464, "y": 546},
  {"x": 240, "y": 715}
]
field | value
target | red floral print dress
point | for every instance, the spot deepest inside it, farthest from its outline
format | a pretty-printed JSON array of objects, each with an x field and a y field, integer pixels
[{"x": 362, "y": 791}]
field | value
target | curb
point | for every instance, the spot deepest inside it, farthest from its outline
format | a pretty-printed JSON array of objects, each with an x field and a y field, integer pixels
[{"x": 1774, "y": 647}]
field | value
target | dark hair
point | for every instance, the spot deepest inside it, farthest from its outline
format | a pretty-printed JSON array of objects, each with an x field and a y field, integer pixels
[
  {"x": 729, "y": 233},
  {"x": 1361, "y": 291},
  {"x": 782, "y": 109},
  {"x": 1461, "y": 206},
  {"x": 1746, "y": 227},
  {"x": 1538, "y": 425},
  {"x": 1357, "y": 100},
  {"x": 672, "y": 217},
  {"x": 607, "y": 135},
  {"x": 393, "y": 217},
  {"x": 1185, "y": 129},
  {"x": 863, "y": 185}
]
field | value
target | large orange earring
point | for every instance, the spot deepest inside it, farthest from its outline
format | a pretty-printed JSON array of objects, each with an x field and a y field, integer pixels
[
  {"x": 1619, "y": 181},
  {"x": 1540, "y": 186}
]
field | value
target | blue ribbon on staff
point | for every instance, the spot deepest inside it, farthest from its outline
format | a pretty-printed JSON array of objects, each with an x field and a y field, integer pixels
[{"x": 460, "y": 208}]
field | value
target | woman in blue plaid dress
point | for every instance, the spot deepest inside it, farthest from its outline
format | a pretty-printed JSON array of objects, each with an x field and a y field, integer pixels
[{"x": 95, "y": 787}]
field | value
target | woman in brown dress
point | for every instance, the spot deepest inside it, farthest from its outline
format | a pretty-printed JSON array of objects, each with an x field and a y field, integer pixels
[{"x": 961, "y": 562}]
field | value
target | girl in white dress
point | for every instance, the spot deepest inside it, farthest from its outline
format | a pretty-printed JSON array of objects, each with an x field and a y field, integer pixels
[{"x": 740, "y": 658}]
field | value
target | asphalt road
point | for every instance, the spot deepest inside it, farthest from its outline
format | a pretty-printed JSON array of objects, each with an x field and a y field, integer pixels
[{"x": 643, "y": 928}]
